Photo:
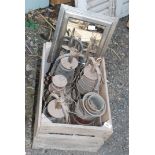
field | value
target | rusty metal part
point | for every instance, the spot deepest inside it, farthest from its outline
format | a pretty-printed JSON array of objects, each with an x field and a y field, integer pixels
[
  {"x": 58, "y": 84},
  {"x": 90, "y": 80},
  {"x": 92, "y": 47},
  {"x": 90, "y": 73},
  {"x": 67, "y": 68},
  {"x": 57, "y": 108},
  {"x": 73, "y": 43},
  {"x": 57, "y": 61},
  {"x": 54, "y": 111},
  {"x": 96, "y": 64},
  {"x": 87, "y": 81},
  {"x": 94, "y": 104},
  {"x": 69, "y": 65},
  {"x": 90, "y": 107},
  {"x": 68, "y": 12},
  {"x": 70, "y": 59}
]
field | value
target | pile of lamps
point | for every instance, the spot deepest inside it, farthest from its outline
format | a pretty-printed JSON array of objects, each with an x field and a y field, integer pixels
[{"x": 72, "y": 96}]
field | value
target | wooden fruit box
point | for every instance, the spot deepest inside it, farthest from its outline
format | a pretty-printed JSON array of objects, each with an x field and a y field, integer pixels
[{"x": 49, "y": 135}]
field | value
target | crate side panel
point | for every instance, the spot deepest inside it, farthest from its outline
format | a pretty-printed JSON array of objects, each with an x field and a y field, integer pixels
[
  {"x": 98, "y": 6},
  {"x": 104, "y": 92},
  {"x": 63, "y": 142},
  {"x": 90, "y": 131},
  {"x": 44, "y": 66},
  {"x": 76, "y": 129}
]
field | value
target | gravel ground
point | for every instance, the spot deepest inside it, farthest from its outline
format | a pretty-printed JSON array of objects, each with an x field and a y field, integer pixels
[{"x": 117, "y": 66}]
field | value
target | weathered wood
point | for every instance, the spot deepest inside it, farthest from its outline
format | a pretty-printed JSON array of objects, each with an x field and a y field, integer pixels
[
  {"x": 49, "y": 135},
  {"x": 99, "y": 7},
  {"x": 122, "y": 8},
  {"x": 91, "y": 131},
  {"x": 66, "y": 13},
  {"x": 54, "y": 2},
  {"x": 105, "y": 7},
  {"x": 40, "y": 92}
]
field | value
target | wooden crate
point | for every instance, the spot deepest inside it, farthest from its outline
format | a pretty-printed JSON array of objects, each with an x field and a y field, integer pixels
[
  {"x": 55, "y": 2},
  {"x": 49, "y": 135}
]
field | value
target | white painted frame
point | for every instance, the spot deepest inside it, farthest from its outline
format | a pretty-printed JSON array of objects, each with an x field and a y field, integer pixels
[{"x": 66, "y": 12}]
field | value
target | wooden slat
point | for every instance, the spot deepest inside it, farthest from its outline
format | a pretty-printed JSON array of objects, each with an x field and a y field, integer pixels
[
  {"x": 65, "y": 142},
  {"x": 104, "y": 92},
  {"x": 97, "y": 6},
  {"x": 49, "y": 135}
]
